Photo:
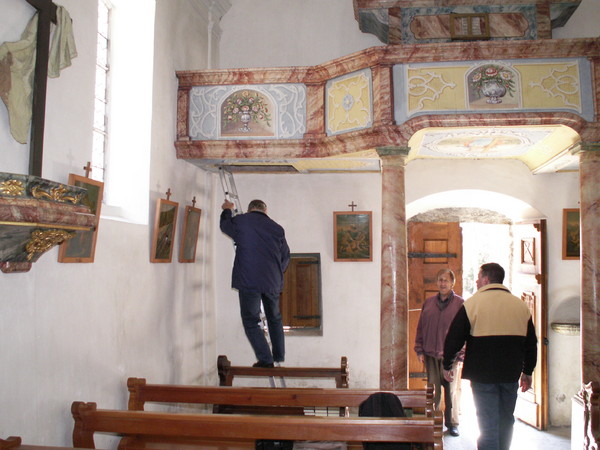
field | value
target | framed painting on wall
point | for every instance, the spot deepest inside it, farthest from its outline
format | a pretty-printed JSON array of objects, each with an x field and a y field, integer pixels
[
  {"x": 570, "y": 245},
  {"x": 82, "y": 247},
  {"x": 189, "y": 237},
  {"x": 352, "y": 236},
  {"x": 163, "y": 238}
]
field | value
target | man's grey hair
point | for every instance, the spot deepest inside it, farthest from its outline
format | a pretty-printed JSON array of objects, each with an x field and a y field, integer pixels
[
  {"x": 448, "y": 271},
  {"x": 257, "y": 205}
]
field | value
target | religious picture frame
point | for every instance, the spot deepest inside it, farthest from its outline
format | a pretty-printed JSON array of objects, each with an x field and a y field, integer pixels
[
  {"x": 189, "y": 236},
  {"x": 353, "y": 236},
  {"x": 82, "y": 247},
  {"x": 571, "y": 234},
  {"x": 163, "y": 237}
]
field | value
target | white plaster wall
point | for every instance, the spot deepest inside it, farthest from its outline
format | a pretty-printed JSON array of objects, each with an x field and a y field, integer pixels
[
  {"x": 77, "y": 331},
  {"x": 583, "y": 23},
  {"x": 304, "y": 205},
  {"x": 284, "y": 33}
]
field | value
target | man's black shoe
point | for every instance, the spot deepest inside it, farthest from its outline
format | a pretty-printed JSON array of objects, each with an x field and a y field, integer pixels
[
  {"x": 453, "y": 430},
  {"x": 263, "y": 364}
]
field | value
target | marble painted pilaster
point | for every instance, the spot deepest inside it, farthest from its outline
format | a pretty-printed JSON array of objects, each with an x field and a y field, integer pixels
[
  {"x": 183, "y": 106},
  {"x": 315, "y": 111},
  {"x": 589, "y": 176},
  {"x": 383, "y": 107},
  {"x": 394, "y": 276}
]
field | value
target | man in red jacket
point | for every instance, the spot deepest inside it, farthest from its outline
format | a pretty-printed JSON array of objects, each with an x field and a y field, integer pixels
[
  {"x": 436, "y": 316},
  {"x": 501, "y": 350},
  {"x": 261, "y": 256}
]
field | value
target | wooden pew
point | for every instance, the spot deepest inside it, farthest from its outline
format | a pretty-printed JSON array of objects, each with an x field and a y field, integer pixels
[
  {"x": 10, "y": 442},
  {"x": 227, "y": 372},
  {"x": 141, "y": 427},
  {"x": 228, "y": 399},
  {"x": 14, "y": 443}
]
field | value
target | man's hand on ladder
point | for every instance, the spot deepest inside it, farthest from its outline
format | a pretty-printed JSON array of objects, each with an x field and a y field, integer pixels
[{"x": 227, "y": 205}]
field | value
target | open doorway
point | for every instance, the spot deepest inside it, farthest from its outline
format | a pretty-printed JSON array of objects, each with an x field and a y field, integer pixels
[
  {"x": 483, "y": 236},
  {"x": 483, "y": 243}
]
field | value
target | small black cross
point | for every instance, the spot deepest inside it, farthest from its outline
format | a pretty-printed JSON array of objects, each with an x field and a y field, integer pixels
[
  {"x": 168, "y": 193},
  {"x": 194, "y": 202},
  {"x": 352, "y": 205}
]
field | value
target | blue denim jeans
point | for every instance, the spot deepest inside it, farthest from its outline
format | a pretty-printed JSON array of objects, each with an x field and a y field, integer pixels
[
  {"x": 250, "y": 310},
  {"x": 495, "y": 405}
]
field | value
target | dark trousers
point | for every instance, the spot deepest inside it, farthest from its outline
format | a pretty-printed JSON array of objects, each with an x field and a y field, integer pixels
[
  {"x": 495, "y": 405},
  {"x": 250, "y": 310},
  {"x": 435, "y": 376}
]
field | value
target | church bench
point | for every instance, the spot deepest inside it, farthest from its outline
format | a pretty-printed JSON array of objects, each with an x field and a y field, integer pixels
[
  {"x": 227, "y": 372},
  {"x": 14, "y": 443},
  {"x": 228, "y": 399},
  {"x": 140, "y": 427}
]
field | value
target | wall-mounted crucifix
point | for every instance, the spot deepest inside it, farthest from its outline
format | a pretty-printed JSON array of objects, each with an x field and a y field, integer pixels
[
  {"x": 87, "y": 168},
  {"x": 46, "y": 13}
]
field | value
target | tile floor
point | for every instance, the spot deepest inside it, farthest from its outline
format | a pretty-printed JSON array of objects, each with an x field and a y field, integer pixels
[{"x": 524, "y": 437}]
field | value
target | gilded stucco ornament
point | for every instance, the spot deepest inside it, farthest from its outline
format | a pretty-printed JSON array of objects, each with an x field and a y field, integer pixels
[
  {"x": 57, "y": 194},
  {"x": 43, "y": 240},
  {"x": 12, "y": 187}
]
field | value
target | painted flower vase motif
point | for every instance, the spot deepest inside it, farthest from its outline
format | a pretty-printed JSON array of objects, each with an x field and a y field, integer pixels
[
  {"x": 494, "y": 91},
  {"x": 242, "y": 107},
  {"x": 493, "y": 81},
  {"x": 245, "y": 118}
]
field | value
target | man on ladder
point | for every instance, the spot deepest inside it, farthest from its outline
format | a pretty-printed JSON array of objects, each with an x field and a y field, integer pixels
[{"x": 261, "y": 256}]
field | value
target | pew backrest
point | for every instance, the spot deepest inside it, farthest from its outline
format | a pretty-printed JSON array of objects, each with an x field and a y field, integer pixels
[
  {"x": 89, "y": 420},
  {"x": 230, "y": 397},
  {"x": 14, "y": 443},
  {"x": 10, "y": 442},
  {"x": 227, "y": 372}
]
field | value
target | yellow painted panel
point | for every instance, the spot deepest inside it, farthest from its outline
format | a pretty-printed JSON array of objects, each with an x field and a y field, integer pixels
[
  {"x": 551, "y": 85},
  {"x": 349, "y": 103},
  {"x": 436, "y": 88},
  {"x": 544, "y": 85}
]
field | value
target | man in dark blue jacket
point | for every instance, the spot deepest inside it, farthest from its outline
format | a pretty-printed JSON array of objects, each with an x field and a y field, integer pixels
[{"x": 261, "y": 256}]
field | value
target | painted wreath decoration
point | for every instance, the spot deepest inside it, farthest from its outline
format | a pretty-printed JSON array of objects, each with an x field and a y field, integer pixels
[
  {"x": 492, "y": 73},
  {"x": 245, "y": 106}
]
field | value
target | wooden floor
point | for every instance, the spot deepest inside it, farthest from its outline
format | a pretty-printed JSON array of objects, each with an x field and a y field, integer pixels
[{"x": 524, "y": 437}]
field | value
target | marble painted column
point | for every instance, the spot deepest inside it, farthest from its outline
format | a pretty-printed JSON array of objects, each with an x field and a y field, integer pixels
[
  {"x": 394, "y": 276},
  {"x": 589, "y": 179}
]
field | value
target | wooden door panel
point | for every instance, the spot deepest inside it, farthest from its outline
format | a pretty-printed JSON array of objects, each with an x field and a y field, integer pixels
[
  {"x": 418, "y": 377},
  {"x": 431, "y": 247},
  {"x": 529, "y": 283}
]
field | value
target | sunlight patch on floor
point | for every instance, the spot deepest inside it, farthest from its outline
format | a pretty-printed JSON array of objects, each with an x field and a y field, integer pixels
[{"x": 525, "y": 437}]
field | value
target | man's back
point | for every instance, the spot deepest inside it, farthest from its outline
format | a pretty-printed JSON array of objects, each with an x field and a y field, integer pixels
[
  {"x": 501, "y": 341},
  {"x": 262, "y": 253}
]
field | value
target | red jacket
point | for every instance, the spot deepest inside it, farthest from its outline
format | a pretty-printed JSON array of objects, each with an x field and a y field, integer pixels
[{"x": 434, "y": 323}]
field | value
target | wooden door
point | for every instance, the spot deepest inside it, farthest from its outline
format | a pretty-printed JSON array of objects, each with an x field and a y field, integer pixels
[
  {"x": 431, "y": 247},
  {"x": 529, "y": 282}
]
